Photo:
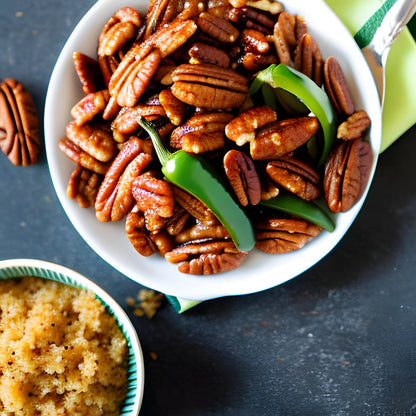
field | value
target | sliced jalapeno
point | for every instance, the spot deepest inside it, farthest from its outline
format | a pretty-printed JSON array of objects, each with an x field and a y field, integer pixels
[
  {"x": 315, "y": 98},
  {"x": 294, "y": 205}
]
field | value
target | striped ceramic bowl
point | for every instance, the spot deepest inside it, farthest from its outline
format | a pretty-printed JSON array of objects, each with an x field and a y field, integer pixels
[{"x": 135, "y": 375}]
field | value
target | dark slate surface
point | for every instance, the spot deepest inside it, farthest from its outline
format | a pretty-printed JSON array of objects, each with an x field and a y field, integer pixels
[{"x": 338, "y": 340}]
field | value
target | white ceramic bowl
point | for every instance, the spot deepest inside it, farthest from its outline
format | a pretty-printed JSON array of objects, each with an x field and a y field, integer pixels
[
  {"x": 135, "y": 375},
  {"x": 259, "y": 271}
]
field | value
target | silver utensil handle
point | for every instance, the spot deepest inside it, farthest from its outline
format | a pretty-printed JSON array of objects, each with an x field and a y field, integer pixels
[{"x": 393, "y": 23}]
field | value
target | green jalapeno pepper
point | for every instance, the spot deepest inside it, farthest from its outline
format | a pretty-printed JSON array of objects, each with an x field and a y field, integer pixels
[
  {"x": 294, "y": 205},
  {"x": 194, "y": 175},
  {"x": 314, "y": 97}
]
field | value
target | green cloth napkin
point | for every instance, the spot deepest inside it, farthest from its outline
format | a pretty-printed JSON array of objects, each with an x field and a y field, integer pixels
[{"x": 362, "y": 17}]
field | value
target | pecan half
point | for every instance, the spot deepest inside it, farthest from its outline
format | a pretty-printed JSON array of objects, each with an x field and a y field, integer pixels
[
  {"x": 194, "y": 206},
  {"x": 242, "y": 129},
  {"x": 287, "y": 32},
  {"x": 336, "y": 87},
  {"x": 201, "y": 133},
  {"x": 153, "y": 194},
  {"x": 94, "y": 138},
  {"x": 354, "y": 126},
  {"x": 89, "y": 73},
  {"x": 89, "y": 106},
  {"x": 175, "y": 109},
  {"x": 277, "y": 236},
  {"x": 206, "y": 258},
  {"x": 114, "y": 198},
  {"x": 83, "y": 186},
  {"x": 201, "y": 52},
  {"x": 217, "y": 27},
  {"x": 243, "y": 177},
  {"x": 308, "y": 59},
  {"x": 251, "y": 18},
  {"x": 200, "y": 231},
  {"x": 209, "y": 86},
  {"x": 19, "y": 124},
  {"x": 283, "y": 137},
  {"x": 137, "y": 233},
  {"x": 295, "y": 176},
  {"x": 346, "y": 174}
]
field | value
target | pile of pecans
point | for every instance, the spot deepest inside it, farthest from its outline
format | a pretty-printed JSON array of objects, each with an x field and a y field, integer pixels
[{"x": 187, "y": 66}]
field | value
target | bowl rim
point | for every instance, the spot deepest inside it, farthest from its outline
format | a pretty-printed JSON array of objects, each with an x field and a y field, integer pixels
[
  {"x": 13, "y": 268},
  {"x": 158, "y": 273}
]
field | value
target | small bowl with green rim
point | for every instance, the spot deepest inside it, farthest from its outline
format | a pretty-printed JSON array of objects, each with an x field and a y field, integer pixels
[{"x": 15, "y": 268}]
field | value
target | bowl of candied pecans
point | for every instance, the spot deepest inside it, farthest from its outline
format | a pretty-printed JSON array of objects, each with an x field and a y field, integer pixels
[{"x": 217, "y": 148}]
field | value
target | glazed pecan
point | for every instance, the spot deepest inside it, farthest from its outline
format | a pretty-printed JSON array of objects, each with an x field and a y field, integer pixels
[
  {"x": 153, "y": 194},
  {"x": 194, "y": 207},
  {"x": 201, "y": 133},
  {"x": 200, "y": 231},
  {"x": 89, "y": 106},
  {"x": 295, "y": 176},
  {"x": 114, "y": 198},
  {"x": 83, "y": 186},
  {"x": 270, "y": 6},
  {"x": 175, "y": 109},
  {"x": 177, "y": 222},
  {"x": 283, "y": 137},
  {"x": 336, "y": 87},
  {"x": 89, "y": 73},
  {"x": 201, "y": 52},
  {"x": 217, "y": 27},
  {"x": 346, "y": 174},
  {"x": 80, "y": 157},
  {"x": 287, "y": 32},
  {"x": 284, "y": 235},
  {"x": 205, "y": 258},
  {"x": 19, "y": 124},
  {"x": 209, "y": 86},
  {"x": 269, "y": 189},
  {"x": 243, "y": 177},
  {"x": 138, "y": 234},
  {"x": 242, "y": 129},
  {"x": 251, "y": 18},
  {"x": 354, "y": 127},
  {"x": 126, "y": 122},
  {"x": 93, "y": 138},
  {"x": 308, "y": 59}
]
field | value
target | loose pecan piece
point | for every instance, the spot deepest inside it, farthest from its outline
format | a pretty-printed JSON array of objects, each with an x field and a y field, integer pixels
[
  {"x": 201, "y": 133},
  {"x": 308, "y": 59},
  {"x": 277, "y": 236},
  {"x": 89, "y": 106},
  {"x": 270, "y": 6},
  {"x": 94, "y": 138},
  {"x": 89, "y": 73},
  {"x": 243, "y": 177},
  {"x": 200, "y": 231},
  {"x": 346, "y": 174},
  {"x": 354, "y": 127},
  {"x": 19, "y": 124},
  {"x": 251, "y": 18},
  {"x": 242, "y": 129},
  {"x": 336, "y": 87},
  {"x": 114, "y": 198},
  {"x": 209, "y": 86},
  {"x": 283, "y": 137},
  {"x": 295, "y": 176},
  {"x": 177, "y": 222},
  {"x": 83, "y": 186},
  {"x": 206, "y": 258},
  {"x": 153, "y": 194},
  {"x": 217, "y": 27}
]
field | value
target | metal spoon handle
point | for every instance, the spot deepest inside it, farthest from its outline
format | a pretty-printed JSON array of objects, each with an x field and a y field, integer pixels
[{"x": 393, "y": 23}]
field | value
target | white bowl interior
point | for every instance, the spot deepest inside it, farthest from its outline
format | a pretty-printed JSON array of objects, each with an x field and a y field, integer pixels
[
  {"x": 259, "y": 271},
  {"x": 28, "y": 267}
]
